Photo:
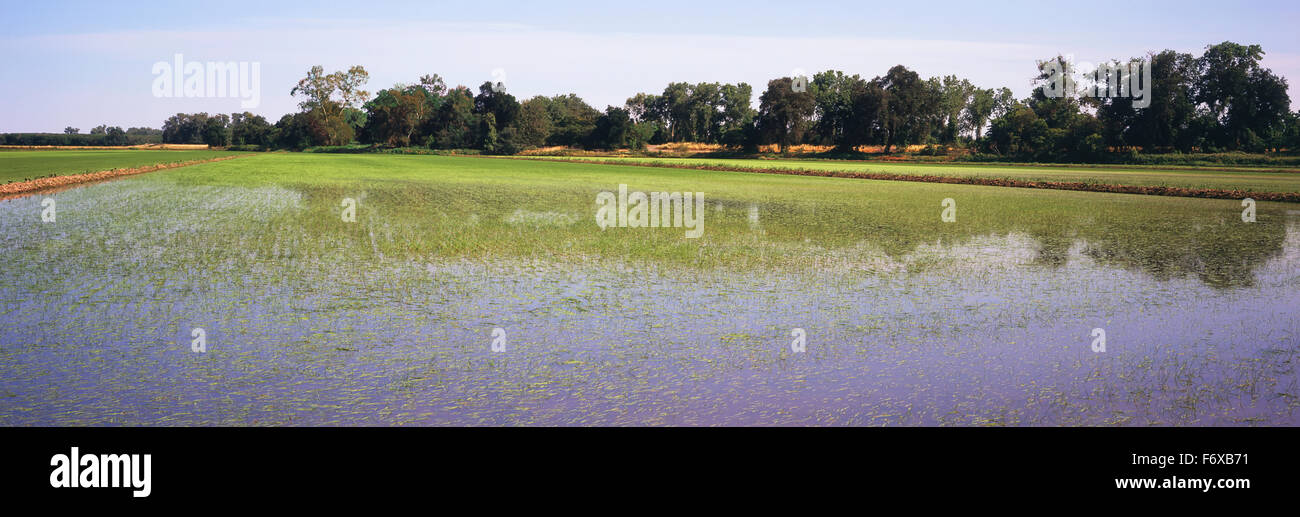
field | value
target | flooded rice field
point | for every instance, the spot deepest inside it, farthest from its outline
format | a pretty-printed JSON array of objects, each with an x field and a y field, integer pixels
[{"x": 99, "y": 311}]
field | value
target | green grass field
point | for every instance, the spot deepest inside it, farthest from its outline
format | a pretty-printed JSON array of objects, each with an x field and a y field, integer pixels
[
  {"x": 462, "y": 207},
  {"x": 467, "y": 207},
  {"x": 23, "y": 165},
  {"x": 1255, "y": 180}
]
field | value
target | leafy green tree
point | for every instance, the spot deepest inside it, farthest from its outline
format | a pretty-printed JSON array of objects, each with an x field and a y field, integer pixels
[
  {"x": 534, "y": 123},
  {"x": 395, "y": 114},
  {"x": 651, "y": 110},
  {"x": 503, "y": 106},
  {"x": 832, "y": 92},
  {"x": 488, "y": 132},
  {"x": 613, "y": 129},
  {"x": 677, "y": 106},
  {"x": 1249, "y": 102},
  {"x": 1167, "y": 121},
  {"x": 214, "y": 130},
  {"x": 572, "y": 120},
  {"x": 115, "y": 136},
  {"x": 249, "y": 129},
  {"x": 1290, "y": 138},
  {"x": 784, "y": 114},
  {"x": 956, "y": 95},
  {"x": 183, "y": 128},
  {"x": 454, "y": 125},
  {"x": 1019, "y": 132},
  {"x": 910, "y": 107},
  {"x": 737, "y": 113},
  {"x": 292, "y": 131},
  {"x": 704, "y": 111},
  {"x": 978, "y": 111},
  {"x": 334, "y": 100},
  {"x": 865, "y": 123}
]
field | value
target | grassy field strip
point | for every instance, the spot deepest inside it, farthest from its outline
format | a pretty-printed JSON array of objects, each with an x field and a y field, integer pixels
[
  {"x": 468, "y": 208},
  {"x": 25, "y": 165},
  {"x": 11, "y": 190},
  {"x": 1283, "y": 187}
]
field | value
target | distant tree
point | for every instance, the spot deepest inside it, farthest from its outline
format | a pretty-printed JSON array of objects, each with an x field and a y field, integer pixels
[
  {"x": 783, "y": 114},
  {"x": 614, "y": 130},
  {"x": 737, "y": 113},
  {"x": 503, "y": 106},
  {"x": 249, "y": 129},
  {"x": 487, "y": 138},
  {"x": 183, "y": 128},
  {"x": 1019, "y": 132},
  {"x": 955, "y": 97},
  {"x": 533, "y": 125},
  {"x": 650, "y": 110},
  {"x": 704, "y": 112},
  {"x": 646, "y": 107},
  {"x": 293, "y": 131},
  {"x": 454, "y": 125},
  {"x": 115, "y": 136},
  {"x": 978, "y": 111},
  {"x": 334, "y": 100},
  {"x": 71, "y": 130},
  {"x": 214, "y": 130},
  {"x": 864, "y": 123},
  {"x": 1290, "y": 139},
  {"x": 832, "y": 92},
  {"x": 143, "y": 132},
  {"x": 395, "y": 114},
  {"x": 909, "y": 108},
  {"x": 572, "y": 120},
  {"x": 676, "y": 100},
  {"x": 1167, "y": 121}
]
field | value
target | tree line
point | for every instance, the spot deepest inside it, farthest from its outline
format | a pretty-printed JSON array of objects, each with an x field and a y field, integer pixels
[
  {"x": 1222, "y": 100},
  {"x": 103, "y": 135}
]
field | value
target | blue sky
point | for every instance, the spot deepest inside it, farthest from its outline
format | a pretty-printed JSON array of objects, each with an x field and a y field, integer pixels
[{"x": 88, "y": 63}]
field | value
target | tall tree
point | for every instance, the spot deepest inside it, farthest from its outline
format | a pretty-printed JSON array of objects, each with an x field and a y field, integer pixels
[
  {"x": 613, "y": 130},
  {"x": 832, "y": 92},
  {"x": 910, "y": 107},
  {"x": 534, "y": 122},
  {"x": 956, "y": 96},
  {"x": 249, "y": 129},
  {"x": 737, "y": 113},
  {"x": 784, "y": 114},
  {"x": 333, "y": 100},
  {"x": 454, "y": 125},
  {"x": 1167, "y": 121},
  {"x": 572, "y": 120},
  {"x": 1247, "y": 101}
]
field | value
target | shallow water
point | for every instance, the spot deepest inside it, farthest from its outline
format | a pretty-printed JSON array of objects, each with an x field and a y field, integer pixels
[{"x": 97, "y": 312}]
